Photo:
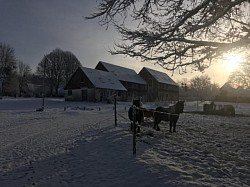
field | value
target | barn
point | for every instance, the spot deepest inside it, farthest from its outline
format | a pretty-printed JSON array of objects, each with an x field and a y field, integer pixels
[
  {"x": 135, "y": 85},
  {"x": 93, "y": 85},
  {"x": 160, "y": 86}
]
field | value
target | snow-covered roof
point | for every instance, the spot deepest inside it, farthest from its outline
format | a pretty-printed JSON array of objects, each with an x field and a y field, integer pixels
[
  {"x": 103, "y": 79},
  {"x": 227, "y": 86},
  {"x": 161, "y": 77},
  {"x": 123, "y": 74}
]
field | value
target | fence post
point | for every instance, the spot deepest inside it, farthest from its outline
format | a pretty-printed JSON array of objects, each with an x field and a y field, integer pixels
[
  {"x": 1, "y": 88},
  {"x": 134, "y": 129},
  {"x": 115, "y": 112}
]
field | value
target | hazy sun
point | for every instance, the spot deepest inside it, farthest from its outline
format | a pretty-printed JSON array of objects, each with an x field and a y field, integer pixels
[{"x": 232, "y": 61}]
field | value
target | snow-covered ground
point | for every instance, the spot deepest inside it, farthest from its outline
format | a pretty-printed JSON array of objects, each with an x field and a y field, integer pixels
[{"x": 77, "y": 144}]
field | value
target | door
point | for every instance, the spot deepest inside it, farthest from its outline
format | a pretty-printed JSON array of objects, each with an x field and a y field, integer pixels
[{"x": 84, "y": 95}]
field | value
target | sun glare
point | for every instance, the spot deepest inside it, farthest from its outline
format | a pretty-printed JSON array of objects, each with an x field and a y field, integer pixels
[{"x": 232, "y": 61}]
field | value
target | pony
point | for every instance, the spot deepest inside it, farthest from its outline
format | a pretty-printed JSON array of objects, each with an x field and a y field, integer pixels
[
  {"x": 224, "y": 110},
  {"x": 138, "y": 115},
  {"x": 228, "y": 110},
  {"x": 170, "y": 114}
]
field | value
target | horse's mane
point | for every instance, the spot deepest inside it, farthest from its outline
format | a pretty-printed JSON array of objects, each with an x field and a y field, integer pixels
[{"x": 180, "y": 105}]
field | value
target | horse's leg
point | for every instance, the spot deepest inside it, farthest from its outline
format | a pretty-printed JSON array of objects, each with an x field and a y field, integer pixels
[
  {"x": 170, "y": 125},
  {"x": 138, "y": 127},
  {"x": 155, "y": 119},
  {"x": 156, "y": 125},
  {"x": 174, "y": 126},
  {"x": 175, "y": 121}
]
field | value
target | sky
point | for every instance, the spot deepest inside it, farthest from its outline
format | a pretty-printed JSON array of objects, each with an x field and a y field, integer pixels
[{"x": 35, "y": 28}]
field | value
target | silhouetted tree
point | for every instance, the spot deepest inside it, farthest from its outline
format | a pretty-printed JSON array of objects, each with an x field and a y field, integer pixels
[
  {"x": 11, "y": 85},
  {"x": 177, "y": 33},
  {"x": 71, "y": 63},
  {"x": 24, "y": 75},
  {"x": 59, "y": 66},
  {"x": 7, "y": 59},
  {"x": 240, "y": 78},
  {"x": 7, "y": 68},
  {"x": 203, "y": 87}
]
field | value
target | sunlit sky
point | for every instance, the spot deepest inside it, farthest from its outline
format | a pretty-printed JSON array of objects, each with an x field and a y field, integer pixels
[{"x": 34, "y": 28}]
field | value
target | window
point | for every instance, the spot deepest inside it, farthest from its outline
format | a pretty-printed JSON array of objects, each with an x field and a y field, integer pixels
[{"x": 69, "y": 92}]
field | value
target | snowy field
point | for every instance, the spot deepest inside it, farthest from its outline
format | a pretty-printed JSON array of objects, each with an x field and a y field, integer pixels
[{"x": 77, "y": 144}]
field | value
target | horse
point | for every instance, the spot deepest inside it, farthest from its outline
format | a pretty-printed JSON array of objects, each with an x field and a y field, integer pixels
[
  {"x": 170, "y": 114},
  {"x": 138, "y": 117},
  {"x": 228, "y": 110},
  {"x": 138, "y": 114},
  {"x": 224, "y": 110}
]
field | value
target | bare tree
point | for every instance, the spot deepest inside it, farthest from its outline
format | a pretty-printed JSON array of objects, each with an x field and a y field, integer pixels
[
  {"x": 177, "y": 33},
  {"x": 7, "y": 59},
  {"x": 58, "y": 67},
  {"x": 11, "y": 85},
  {"x": 203, "y": 87},
  {"x": 24, "y": 74},
  {"x": 241, "y": 77},
  {"x": 7, "y": 68},
  {"x": 71, "y": 63}
]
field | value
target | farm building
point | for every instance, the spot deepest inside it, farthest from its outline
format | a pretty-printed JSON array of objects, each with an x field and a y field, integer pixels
[
  {"x": 229, "y": 93},
  {"x": 93, "y": 85},
  {"x": 160, "y": 86},
  {"x": 134, "y": 84}
]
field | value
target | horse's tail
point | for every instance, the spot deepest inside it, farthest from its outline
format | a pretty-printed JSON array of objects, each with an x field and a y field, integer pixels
[
  {"x": 138, "y": 115},
  {"x": 130, "y": 113}
]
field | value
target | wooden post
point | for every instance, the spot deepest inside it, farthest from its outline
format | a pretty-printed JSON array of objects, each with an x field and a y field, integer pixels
[
  {"x": 197, "y": 105},
  {"x": 1, "y": 88},
  {"x": 134, "y": 130},
  {"x": 44, "y": 66},
  {"x": 115, "y": 113}
]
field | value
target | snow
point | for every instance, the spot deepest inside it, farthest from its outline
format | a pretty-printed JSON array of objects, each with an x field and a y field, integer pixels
[
  {"x": 77, "y": 144},
  {"x": 123, "y": 74},
  {"x": 103, "y": 79},
  {"x": 161, "y": 77}
]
